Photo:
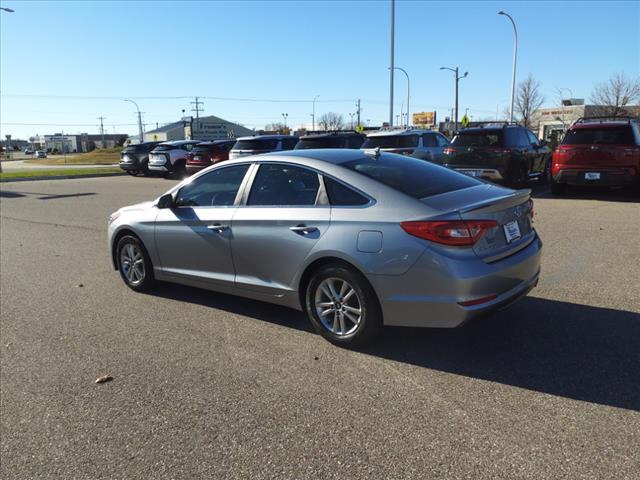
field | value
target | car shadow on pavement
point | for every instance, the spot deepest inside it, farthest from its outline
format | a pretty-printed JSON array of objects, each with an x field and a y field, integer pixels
[
  {"x": 570, "y": 350},
  {"x": 44, "y": 196},
  {"x": 575, "y": 351},
  {"x": 625, "y": 195}
]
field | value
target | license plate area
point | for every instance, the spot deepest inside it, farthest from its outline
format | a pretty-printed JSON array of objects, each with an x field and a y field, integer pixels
[
  {"x": 512, "y": 231},
  {"x": 592, "y": 176},
  {"x": 471, "y": 172}
]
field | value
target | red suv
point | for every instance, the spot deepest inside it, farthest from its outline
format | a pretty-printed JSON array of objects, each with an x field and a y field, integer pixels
[
  {"x": 597, "y": 151},
  {"x": 208, "y": 153}
]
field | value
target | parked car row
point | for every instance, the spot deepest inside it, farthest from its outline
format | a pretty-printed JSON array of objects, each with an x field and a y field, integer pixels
[{"x": 597, "y": 151}]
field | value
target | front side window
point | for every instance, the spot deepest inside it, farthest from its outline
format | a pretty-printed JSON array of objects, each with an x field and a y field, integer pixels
[
  {"x": 281, "y": 185},
  {"x": 533, "y": 140},
  {"x": 215, "y": 189},
  {"x": 442, "y": 140}
]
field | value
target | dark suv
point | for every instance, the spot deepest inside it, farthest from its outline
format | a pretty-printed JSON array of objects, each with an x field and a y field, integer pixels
[
  {"x": 134, "y": 159},
  {"x": 509, "y": 154},
  {"x": 597, "y": 151},
  {"x": 207, "y": 153},
  {"x": 331, "y": 140}
]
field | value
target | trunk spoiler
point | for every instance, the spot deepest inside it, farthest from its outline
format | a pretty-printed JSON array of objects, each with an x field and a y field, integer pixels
[{"x": 498, "y": 202}]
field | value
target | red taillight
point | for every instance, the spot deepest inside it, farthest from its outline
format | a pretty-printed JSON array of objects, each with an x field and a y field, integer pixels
[
  {"x": 189, "y": 157},
  {"x": 478, "y": 301},
  {"x": 531, "y": 210},
  {"x": 449, "y": 151},
  {"x": 460, "y": 233}
]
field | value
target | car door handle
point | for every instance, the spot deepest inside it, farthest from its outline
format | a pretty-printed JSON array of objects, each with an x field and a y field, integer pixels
[
  {"x": 303, "y": 229},
  {"x": 218, "y": 227}
]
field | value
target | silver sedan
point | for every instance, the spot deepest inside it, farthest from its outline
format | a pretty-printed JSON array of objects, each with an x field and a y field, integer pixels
[{"x": 356, "y": 239}]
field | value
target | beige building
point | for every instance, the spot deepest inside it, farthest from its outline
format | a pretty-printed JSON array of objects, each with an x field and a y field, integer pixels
[{"x": 554, "y": 121}]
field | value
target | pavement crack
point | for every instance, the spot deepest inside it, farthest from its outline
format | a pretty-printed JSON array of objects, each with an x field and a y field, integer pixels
[{"x": 80, "y": 227}]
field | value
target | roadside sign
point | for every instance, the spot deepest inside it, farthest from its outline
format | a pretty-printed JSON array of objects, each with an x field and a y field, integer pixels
[
  {"x": 465, "y": 121},
  {"x": 424, "y": 118}
]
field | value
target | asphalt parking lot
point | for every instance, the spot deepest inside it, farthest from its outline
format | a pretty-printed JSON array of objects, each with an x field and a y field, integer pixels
[{"x": 212, "y": 386}]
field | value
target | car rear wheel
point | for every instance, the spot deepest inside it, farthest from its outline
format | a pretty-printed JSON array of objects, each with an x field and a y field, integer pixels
[
  {"x": 342, "y": 306},
  {"x": 555, "y": 187},
  {"x": 519, "y": 176},
  {"x": 133, "y": 173},
  {"x": 134, "y": 264}
]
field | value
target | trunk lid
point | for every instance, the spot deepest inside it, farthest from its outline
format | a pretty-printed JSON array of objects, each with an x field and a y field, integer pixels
[
  {"x": 510, "y": 209},
  {"x": 595, "y": 155},
  {"x": 471, "y": 156}
]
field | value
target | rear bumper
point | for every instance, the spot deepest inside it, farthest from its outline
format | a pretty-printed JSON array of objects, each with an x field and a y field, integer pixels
[
  {"x": 429, "y": 294},
  {"x": 191, "y": 169},
  {"x": 609, "y": 177},
  {"x": 130, "y": 166},
  {"x": 487, "y": 173}
]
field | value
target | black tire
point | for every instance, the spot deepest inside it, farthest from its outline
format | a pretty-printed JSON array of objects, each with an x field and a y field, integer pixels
[
  {"x": 555, "y": 187},
  {"x": 544, "y": 179},
  {"x": 133, "y": 173},
  {"x": 364, "y": 299},
  {"x": 138, "y": 284},
  {"x": 519, "y": 176},
  {"x": 145, "y": 169},
  {"x": 180, "y": 169}
]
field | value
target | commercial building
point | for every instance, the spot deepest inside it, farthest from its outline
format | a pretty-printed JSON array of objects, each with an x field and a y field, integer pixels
[
  {"x": 551, "y": 123},
  {"x": 203, "y": 128},
  {"x": 78, "y": 143}
]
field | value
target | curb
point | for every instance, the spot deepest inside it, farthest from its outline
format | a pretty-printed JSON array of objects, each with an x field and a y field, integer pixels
[{"x": 61, "y": 177}]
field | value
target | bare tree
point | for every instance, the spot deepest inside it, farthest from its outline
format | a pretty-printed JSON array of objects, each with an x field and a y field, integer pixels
[
  {"x": 275, "y": 127},
  {"x": 615, "y": 94},
  {"x": 331, "y": 121},
  {"x": 528, "y": 99}
]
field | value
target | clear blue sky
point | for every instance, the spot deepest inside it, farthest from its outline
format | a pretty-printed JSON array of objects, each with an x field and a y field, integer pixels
[{"x": 293, "y": 51}]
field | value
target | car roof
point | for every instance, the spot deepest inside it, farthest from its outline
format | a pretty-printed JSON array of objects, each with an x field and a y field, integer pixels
[
  {"x": 266, "y": 137},
  {"x": 180, "y": 142},
  {"x": 335, "y": 156},
  {"x": 331, "y": 135},
  {"x": 405, "y": 131},
  {"x": 217, "y": 142}
]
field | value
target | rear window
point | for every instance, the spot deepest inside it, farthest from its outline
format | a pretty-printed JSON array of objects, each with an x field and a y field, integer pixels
[
  {"x": 622, "y": 135},
  {"x": 322, "y": 142},
  {"x": 140, "y": 147},
  {"x": 416, "y": 178},
  {"x": 263, "y": 144},
  {"x": 210, "y": 148},
  {"x": 163, "y": 148},
  {"x": 391, "y": 141},
  {"x": 488, "y": 138}
]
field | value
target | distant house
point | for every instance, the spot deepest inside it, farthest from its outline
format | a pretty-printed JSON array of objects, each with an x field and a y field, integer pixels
[{"x": 203, "y": 128}]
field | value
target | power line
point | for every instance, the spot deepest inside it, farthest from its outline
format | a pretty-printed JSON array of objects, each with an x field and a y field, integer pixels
[
  {"x": 168, "y": 97},
  {"x": 197, "y": 108}
]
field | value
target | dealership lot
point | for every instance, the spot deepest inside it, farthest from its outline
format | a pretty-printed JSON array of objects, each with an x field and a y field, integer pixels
[{"x": 212, "y": 386}]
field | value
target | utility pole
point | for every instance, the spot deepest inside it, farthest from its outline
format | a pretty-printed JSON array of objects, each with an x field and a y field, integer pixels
[
  {"x": 391, "y": 67},
  {"x": 102, "y": 130},
  {"x": 313, "y": 115},
  {"x": 352, "y": 115},
  {"x": 358, "y": 111},
  {"x": 197, "y": 108},
  {"x": 140, "y": 129},
  {"x": 456, "y": 79}
]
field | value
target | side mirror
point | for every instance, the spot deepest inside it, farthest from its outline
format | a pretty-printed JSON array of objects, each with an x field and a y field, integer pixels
[{"x": 165, "y": 201}]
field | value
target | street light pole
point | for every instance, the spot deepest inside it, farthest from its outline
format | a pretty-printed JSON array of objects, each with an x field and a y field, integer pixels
[
  {"x": 285, "y": 115},
  {"x": 408, "y": 89},
  {"x": 391, "y": 67},
  {"x": 457, "y": 78},
  {"x": 140, "y": 130},
  {"x": 515, "y": 55},
  {"x": 8, "y": 10},
  {"x": 313, "y": 115}
]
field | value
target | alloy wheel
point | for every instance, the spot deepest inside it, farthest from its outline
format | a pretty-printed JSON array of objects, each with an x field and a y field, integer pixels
[
  {"x": 132, "y": 264},
  {"x": 338, "y": 306}
]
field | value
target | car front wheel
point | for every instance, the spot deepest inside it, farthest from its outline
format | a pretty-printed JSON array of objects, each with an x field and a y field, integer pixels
[
  {"x": 134, "y": 264},
  {"x": 342, "y": 306}
]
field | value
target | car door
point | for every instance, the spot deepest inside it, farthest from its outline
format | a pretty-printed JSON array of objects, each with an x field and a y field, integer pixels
[
  {"x": 193, "y": 237},
  {"x": 277, "y": 227},
  {"x": 538, "y": 153}
]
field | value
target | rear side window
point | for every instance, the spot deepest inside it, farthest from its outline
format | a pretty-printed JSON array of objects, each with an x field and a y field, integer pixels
[
  {"x": 341, "y": 195},
  {"x": 516, "y": 137},
  {"x": 289, "y": 143},
  {"x": 442, "y": 141},
  {"x": 263, "y": 144},
  {"x": 210, "y": 148},
  {"x": 391, "y": 141},
  {"x": 429, "y": 140},
  {"x": 622, "y": 135},
  {"x": 284, "y": 185},
  {"x": 416, "y": 178},
  {"x": 355, "y": 141},
  {"x": 488, "y": 138}
]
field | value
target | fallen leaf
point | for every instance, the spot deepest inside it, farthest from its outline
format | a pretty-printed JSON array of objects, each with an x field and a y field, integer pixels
[
  {"x": 80, "y": 285},
  {"x": 104, "y": 379}
]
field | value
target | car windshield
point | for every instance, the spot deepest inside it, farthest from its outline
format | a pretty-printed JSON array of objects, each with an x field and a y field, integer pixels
[
  {"x": 257, "y": 144},
  {"x": 320, "y": 142},
  {"x": 391, "y": 141},
  {"x": 411, "y": 176},
  {"x": 622, "y": 135},
  {"x": 488, "y": 138}
]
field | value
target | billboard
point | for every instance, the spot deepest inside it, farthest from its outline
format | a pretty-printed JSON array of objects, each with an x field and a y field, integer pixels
[{"x": 424, "y": 118}]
